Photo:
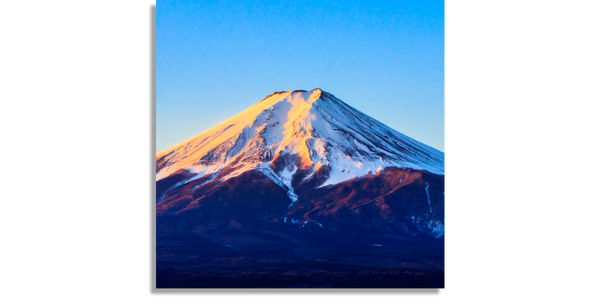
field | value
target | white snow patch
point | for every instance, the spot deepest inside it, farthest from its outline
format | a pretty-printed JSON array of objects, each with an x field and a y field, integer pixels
[
  {"x": 284, "y": 182},
  {"x": 205, "y": 182},
  {"x": 428, "y": 201}
]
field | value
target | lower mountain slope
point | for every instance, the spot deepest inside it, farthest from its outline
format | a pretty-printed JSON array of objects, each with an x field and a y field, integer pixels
[{"x": 400, "y": 201}]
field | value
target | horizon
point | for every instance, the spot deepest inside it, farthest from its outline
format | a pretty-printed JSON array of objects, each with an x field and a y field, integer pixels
[{"x": 216, "y": 60}]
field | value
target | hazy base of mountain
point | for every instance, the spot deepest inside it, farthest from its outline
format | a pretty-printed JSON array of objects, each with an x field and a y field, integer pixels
[{"x": 270, "y": 258}]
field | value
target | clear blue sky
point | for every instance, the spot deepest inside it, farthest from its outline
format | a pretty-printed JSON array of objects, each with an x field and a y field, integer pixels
[{"x": 214, "y": 59}]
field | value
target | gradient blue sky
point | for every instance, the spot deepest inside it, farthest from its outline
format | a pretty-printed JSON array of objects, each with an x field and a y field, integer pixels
[{"x": 214, "y": 59}]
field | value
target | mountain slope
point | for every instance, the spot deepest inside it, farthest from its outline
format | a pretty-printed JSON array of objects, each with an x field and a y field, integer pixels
[{"x": 292, "y": 138}]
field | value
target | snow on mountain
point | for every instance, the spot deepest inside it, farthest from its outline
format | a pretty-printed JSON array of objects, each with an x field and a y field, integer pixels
[{"x": 298, "y": 132}]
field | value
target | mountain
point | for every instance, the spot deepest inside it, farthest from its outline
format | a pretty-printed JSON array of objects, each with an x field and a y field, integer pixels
[{"x": 301, "y": 169}]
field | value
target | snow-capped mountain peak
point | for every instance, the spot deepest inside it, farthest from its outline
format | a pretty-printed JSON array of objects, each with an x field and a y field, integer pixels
[{"x": 295, "y": 135}]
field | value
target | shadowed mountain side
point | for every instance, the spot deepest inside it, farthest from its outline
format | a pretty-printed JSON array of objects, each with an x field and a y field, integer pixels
[
  {"x": 214, "y": 205},
  {"x": 395, "y": 200}
]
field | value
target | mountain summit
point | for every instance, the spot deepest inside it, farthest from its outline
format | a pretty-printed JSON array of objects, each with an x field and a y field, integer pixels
[{"x": 295, "y": 138}]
